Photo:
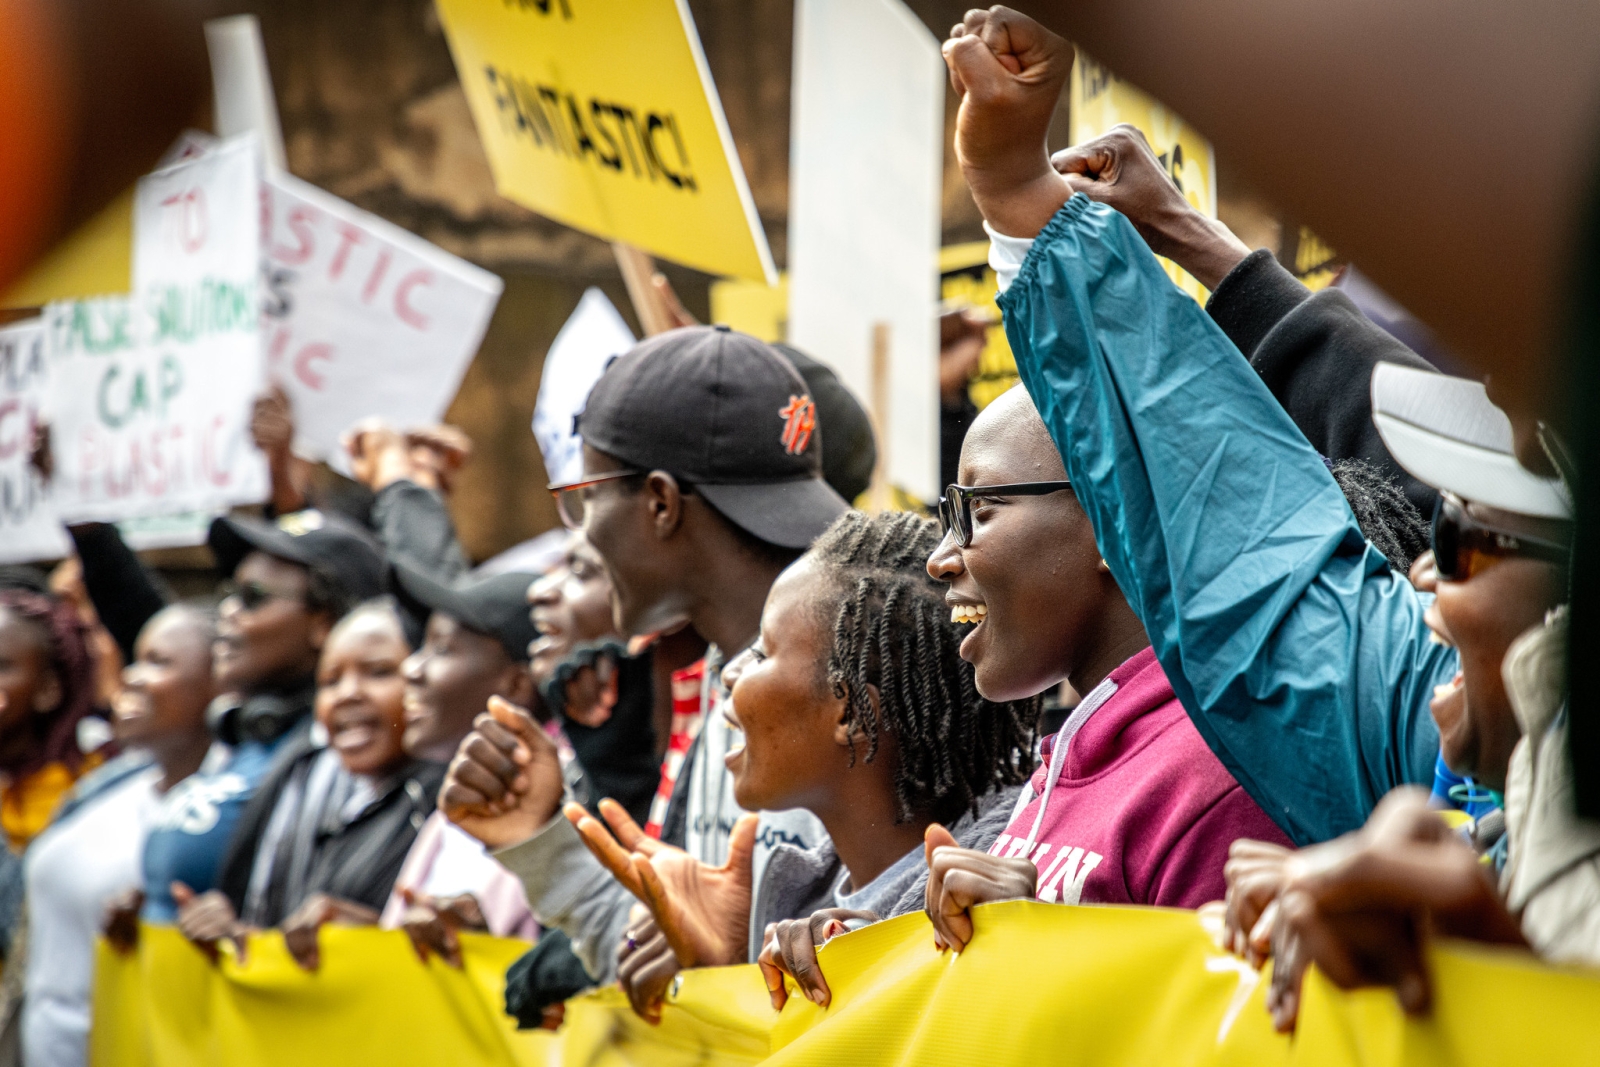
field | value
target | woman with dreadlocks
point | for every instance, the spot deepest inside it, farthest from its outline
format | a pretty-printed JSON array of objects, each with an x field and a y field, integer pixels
[
  {"x": 47, "y": 688},
  {"x": 854, "y": 705}
]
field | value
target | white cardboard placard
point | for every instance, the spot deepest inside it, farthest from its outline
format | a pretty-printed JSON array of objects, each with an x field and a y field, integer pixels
[
  {"x": 865, "y": 173},
  {"x": 363, "y": 318},
  {"x": 591, "y": 336},
  {"x": 29, "y": 528},
  {"x": 151, "y": 394}
]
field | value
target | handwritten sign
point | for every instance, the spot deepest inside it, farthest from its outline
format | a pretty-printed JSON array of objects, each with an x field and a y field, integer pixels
[
  {"x": 29, "y": 529},
  {"x": 151, "y": 394},
  {"x": 362, "y": 317},
  {"x": 602, "y": 115}
]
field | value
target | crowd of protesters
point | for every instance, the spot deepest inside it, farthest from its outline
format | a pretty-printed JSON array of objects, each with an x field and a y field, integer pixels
[{"x": 737, "y": 718}]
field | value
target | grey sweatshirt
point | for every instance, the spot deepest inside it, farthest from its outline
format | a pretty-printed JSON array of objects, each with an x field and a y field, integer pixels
[
  {"x": 569, "y": 890},
  {"x": 799, "y": 881}
]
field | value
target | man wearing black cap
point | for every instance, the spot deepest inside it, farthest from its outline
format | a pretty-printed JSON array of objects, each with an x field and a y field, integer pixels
[
  {"x": 291, "y": 581},
  {"x": 475, "y": 646},
  {"x": 702, "y": 481}
]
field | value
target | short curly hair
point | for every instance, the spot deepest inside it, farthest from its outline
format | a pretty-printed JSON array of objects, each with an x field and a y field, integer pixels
[{"x": 892, "y": 629}]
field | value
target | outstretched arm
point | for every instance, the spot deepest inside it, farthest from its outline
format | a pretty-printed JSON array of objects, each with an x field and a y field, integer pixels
[
  {"x": 1478, "y": 255},
  {"x": 1301, "y": 658},
  {"x": 1315, "y": 352}
]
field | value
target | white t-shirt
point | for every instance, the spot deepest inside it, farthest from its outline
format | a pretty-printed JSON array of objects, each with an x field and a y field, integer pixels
[
  {"x": 73, "y": 870},
  {"x": 445, "y": 861}
]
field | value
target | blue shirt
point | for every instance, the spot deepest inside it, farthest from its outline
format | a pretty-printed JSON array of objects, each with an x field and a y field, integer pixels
[
  {"x": 197, "y": 820},
  {"x": 1300, "y": 656}
]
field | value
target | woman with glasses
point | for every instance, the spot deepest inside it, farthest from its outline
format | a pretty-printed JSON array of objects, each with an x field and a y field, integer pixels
[
  {"x": 1129, "y": 806},
  {"x": 853, "y": 705}
]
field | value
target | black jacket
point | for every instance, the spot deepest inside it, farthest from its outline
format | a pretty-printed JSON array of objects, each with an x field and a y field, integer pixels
[
  {"x": 618, "y": 757},
  {"x": 357, "y": 861},
  {"x": 1315, "y": 352}
]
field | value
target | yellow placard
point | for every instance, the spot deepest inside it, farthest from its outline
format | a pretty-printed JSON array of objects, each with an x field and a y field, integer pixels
[
  {"x": 1040, "y": 983},
  {"x": 602, "y": 115},
  {"x": 755, "y": 308},
  {"x": 94, "y": 260},
  {"x": 1101, "y": 100},
  {"x": 967, "y": 281}
]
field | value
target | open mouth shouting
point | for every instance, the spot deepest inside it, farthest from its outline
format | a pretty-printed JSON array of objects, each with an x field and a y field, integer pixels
[
  {"x": 353, "y": 732},
  {"x": 973, "y": 613}
]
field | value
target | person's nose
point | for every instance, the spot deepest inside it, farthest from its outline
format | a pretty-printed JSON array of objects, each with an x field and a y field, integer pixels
[
  {"x": 133, "y": 676},
  {"x": 946, "y": 564},
  {"x": 545, "y": 591},
  {"x": 411, "y": 667},
  {"x": 346, "y": 687},
  {"x": 735, "y": 669}
]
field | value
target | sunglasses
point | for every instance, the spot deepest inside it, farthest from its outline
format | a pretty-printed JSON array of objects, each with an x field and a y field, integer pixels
[
  {"x": 252, "y": 595},
  {"x": 955, "y": 507},
  {"x": 570, "y": 497},
  {"x": 1464, "y": 546}
]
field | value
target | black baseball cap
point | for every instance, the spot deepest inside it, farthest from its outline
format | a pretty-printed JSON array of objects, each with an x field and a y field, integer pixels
[
  {"x": 852, "y": 450},
  {"x": 727, "y": 414},
  {"x": 335, "y": 547},
  {"x": 494, "y": 607}
]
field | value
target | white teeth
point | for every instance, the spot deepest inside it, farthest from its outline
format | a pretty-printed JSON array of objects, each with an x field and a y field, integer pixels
[{"x": 968, "y": 613}]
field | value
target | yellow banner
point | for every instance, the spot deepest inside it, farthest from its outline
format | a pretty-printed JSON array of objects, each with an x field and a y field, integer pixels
[
  {"x": 1101, "y": 100},
  {"x": 602, "y": 115},
  {"x": 1039, "y": 984}
]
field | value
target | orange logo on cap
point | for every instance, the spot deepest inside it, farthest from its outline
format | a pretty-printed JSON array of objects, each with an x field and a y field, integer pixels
[{"x": 799, "y": 421}]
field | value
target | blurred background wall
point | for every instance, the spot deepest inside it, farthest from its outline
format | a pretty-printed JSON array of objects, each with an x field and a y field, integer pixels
[{"x": 373, "y": 112}]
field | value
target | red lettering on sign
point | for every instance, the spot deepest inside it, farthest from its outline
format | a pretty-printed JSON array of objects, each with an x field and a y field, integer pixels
[
  {"x": 402, "y": 298},
  {"x": 187, "y": 212},
  {"x": 315, "y": 352},
  {"x": 275, "y": 347},
  {"x": 375, "y": 279},
  {"x": 299, "y": 223},
  {"x": 216, "y": 473},
  {"x": 9, "y": 445},
  {"x": 350, "y": 238}
]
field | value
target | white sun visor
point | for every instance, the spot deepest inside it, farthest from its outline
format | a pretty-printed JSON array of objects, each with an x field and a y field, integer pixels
[{"x": 1446, "y": 433}]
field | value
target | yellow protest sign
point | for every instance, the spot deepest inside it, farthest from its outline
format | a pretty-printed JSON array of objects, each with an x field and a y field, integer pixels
[
  {"x": 602, "y": 115},
  {"x": 1040, "y": 983},
  {"x": 96, "y": 259},
  {"x": 966, "y": 281},
  {"x": 1101, "y": 100}
]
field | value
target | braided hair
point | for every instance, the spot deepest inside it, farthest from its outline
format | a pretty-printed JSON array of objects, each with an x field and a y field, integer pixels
[
  {"x": 1387, "y": 517},
  {"x": 66, "y": 641},
  {"x": 892, "y": 630}
]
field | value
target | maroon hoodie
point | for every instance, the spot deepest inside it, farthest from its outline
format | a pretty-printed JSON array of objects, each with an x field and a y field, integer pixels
[{"x": 1141, "y": 811}]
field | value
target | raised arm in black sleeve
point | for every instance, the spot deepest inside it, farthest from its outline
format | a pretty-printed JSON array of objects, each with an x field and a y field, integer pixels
[
  {"x": 1315, "y": 352},
  {"x": 124, "y": 592},
  {"x": 413, "y": 524}
]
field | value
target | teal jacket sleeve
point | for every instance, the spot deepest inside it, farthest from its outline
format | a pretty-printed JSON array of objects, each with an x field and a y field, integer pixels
[{"x": 1300, "y": 656}]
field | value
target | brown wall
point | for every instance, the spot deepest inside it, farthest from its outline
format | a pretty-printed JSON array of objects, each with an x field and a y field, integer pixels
[{"x": 372, "y": 111}]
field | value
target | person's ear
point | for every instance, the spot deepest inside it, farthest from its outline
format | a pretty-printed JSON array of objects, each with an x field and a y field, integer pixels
[
  {"x": 318, "y": 629},
  {"x": 48, "y": 696},
  {"x": 848, "y": 733},
  {"x": 664, "y": 499},
  {"x": 517, "y": 685}
]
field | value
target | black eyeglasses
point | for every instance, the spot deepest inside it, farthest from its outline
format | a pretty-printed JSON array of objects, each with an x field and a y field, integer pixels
[
  {"x": 252, "y": 595},
  {"x": 569, "y": 497},
  {"x": 1464, "y": 546},
  {"x": 955, "y": 507}
]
